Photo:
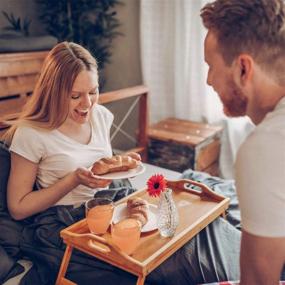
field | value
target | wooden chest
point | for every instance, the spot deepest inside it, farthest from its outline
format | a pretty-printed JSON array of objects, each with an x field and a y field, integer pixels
[{"x": 179, "y": 144}]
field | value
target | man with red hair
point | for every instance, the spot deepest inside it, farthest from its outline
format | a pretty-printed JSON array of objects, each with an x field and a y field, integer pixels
[{"x": 245, "y": 52}]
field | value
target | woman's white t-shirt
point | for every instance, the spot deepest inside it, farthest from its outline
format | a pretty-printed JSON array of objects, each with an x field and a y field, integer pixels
[{"x": 57, "y": 154}]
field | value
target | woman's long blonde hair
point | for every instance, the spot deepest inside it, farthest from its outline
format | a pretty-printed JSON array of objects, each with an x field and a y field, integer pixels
[{"x": 49, "y": 105}]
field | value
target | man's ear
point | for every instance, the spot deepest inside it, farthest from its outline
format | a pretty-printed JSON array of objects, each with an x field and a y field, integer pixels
[{"x": 243, "y": 69}]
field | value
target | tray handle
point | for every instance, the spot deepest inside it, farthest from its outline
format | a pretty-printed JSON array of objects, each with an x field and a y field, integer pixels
[
  {"x": 103, "y": 245},
  {"x": 102, "y": 248},
  {"x": 95, "y": 242},
  {"x": 205, "y": 193}
]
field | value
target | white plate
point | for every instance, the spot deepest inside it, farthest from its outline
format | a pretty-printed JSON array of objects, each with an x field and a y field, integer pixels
[
  {"x": 123, "y": 174},
  {"x": 120, "y": 213}
]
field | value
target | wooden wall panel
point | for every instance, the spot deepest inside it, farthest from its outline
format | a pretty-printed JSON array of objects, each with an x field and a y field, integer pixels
[
  {"x": 18, "y": 75},
  {"x": 17, "y": 84}
]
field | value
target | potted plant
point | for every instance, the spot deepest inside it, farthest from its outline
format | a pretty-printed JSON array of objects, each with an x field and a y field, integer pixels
[
  {"x": 93, "y": 24},
  {"x": 15, "y": 37}
]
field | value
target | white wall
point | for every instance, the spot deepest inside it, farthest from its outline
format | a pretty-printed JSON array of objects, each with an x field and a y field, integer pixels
[{"x": 125, "y": 69}]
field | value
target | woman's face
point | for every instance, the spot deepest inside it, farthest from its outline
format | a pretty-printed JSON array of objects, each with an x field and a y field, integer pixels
[{"x": 84, "y": 96}]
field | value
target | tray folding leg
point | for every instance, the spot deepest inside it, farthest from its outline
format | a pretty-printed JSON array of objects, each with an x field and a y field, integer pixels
[
  {"x": 141, "y": 280},
  {"x": 61, "y": 280}
]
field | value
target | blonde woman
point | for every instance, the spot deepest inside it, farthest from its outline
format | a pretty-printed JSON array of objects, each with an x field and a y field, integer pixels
[{"x": 61, "y": 132}]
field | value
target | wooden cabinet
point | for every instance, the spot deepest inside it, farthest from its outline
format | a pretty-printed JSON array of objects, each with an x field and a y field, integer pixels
[{"x": 180, "y": 144}]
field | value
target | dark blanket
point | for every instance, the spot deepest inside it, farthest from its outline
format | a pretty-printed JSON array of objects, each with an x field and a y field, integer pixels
[
  {"x": 224, "y": 187},
  {"x": 10, "y": 230},
  {"x": 9, "y": 266}
]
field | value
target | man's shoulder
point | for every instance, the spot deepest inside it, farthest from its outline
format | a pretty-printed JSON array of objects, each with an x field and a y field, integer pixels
[
  {"x": 264, "y": 138},
  {"x": 265, "y": 143},
  {"x": 273, "y": 123}
]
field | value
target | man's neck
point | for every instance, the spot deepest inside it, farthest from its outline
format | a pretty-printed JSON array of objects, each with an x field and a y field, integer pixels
[{"x": 265, "y": 101}]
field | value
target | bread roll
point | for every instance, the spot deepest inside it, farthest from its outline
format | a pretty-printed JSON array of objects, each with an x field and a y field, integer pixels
[
  {"x": 138, "y": 209},
  {"x": 114, "y": 164}
]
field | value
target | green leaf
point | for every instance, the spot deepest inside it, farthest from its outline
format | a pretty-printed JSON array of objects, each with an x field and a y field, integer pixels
[
  {"x": 91, "y": 23},
  {"x": 16, "y": 23}
]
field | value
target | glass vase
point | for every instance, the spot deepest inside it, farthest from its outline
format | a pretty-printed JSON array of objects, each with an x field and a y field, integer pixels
[{"x": 168, "y": 219}]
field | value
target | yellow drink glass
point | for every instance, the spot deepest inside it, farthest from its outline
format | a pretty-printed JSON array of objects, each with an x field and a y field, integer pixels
[
  {"x": 99, "y": 213},
  {"x": 126, "y": 235}
]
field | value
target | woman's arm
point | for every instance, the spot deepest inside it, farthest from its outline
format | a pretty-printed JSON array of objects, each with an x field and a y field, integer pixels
[{"x": 24, "y": 202}]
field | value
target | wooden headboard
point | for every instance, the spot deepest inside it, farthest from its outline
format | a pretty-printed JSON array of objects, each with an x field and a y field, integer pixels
[{"x": 18, "y": 75}]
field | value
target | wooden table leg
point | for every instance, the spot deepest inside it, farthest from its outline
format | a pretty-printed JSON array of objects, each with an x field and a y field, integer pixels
[
  {"x": 64, "y": 264},
  {"x": 141, "y": 280}
]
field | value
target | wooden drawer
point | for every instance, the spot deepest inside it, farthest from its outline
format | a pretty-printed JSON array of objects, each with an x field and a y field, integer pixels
[{"x": 180, "y": 144}]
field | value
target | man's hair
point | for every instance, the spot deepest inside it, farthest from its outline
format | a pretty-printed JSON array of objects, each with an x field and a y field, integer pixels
[{"x": 255, "y": 27}]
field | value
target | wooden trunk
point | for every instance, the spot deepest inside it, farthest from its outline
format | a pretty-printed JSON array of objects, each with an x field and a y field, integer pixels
[{"x": 179, "y": 145}]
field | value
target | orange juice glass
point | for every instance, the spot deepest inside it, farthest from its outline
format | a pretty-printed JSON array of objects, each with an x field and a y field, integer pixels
[
  {"x": 126, "y": 235},
  {"x": 99, "y": 213}
]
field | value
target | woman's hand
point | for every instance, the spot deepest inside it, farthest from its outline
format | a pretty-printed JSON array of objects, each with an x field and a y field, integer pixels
[
  {"x": 23, "y": 202},
  {"x": 134, "y": 155},
  {"x": 87, "y": 178}
]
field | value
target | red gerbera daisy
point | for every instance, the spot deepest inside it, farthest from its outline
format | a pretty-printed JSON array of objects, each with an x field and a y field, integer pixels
[{"x": 156, "y": 184}]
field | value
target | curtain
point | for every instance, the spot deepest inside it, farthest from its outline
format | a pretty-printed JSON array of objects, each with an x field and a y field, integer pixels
[
  {"x": 173, "y": 67},
  {"x": 235, "y": 132}
]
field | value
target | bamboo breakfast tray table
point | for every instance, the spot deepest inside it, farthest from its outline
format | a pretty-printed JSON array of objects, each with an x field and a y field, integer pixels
[{"x": 196, "y": 208}]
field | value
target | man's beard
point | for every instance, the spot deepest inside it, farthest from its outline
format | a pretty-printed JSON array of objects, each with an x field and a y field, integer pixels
[{"x": 235, "y": 105}]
